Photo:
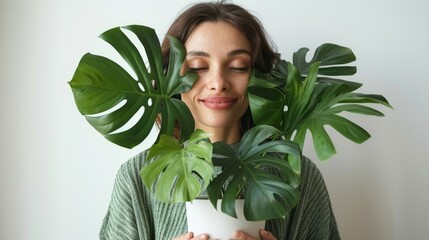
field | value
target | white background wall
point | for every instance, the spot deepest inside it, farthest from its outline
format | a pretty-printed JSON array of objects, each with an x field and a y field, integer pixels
[{"x": 56, "y": 172}]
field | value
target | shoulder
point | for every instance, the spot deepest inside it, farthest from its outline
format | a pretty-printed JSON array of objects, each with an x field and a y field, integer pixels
[
  {"x": 309, "y": 170},
  {"x": 313, "y": 217},
  {"x": 312, "y": 181},
  {"x": 133, "y": 165},
  {"x": 128, "y": 205},
  {"x": 128, "y": 175}
]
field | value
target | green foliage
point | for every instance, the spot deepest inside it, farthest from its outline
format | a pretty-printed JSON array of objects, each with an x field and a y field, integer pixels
[
  {"x": 267, "y": 196},
  {"x": 300, "y": 99},
  {"x": 264, "y": 168},
  {"x": 175, "y": 171},
  {"x": 99, "y": 84}
]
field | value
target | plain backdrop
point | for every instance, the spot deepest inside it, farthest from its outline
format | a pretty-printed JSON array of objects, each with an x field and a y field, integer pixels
[{"x": 57, "y": 172}]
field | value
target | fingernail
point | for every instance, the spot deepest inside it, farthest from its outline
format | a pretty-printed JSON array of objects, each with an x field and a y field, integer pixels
[{"x": 203, "y": 237}]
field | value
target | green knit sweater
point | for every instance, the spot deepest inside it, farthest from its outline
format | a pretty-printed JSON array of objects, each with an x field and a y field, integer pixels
[{"x": 134, "y": 213}]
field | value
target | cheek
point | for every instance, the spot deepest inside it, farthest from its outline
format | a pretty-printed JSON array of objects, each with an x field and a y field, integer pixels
[
  {"x": 242, "y": 87},
  {"x": 245, "y": 104},
  {"x": 188, "y": 98}
]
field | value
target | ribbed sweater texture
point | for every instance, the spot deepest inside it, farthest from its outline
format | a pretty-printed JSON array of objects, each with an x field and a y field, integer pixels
[{"x": 134, "y": 213}]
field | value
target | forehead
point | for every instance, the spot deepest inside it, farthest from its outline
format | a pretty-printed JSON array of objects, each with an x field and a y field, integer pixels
[{"x": 216, "y": 36}]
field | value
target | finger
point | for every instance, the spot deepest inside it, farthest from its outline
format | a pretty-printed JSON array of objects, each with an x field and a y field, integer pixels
[
  {"x": 186, "y": 236},
  {"x": 266, "y": 235},
  {"x": 240, "y": 235},
  {"x": 202, "y": 237}
]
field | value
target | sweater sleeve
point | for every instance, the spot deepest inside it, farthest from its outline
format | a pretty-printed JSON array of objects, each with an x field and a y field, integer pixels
[
  {"x": 128, "y": 215},
  {"x": 313, "y": 218}
]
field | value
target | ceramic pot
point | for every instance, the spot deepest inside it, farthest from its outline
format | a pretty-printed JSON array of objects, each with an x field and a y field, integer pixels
[{"x": 204, "y": 218}]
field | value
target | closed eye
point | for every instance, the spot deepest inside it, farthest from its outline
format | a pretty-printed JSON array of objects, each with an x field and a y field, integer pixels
[
  {"x": 240, "y": 69},
  {"x": 196, "y": 70}
]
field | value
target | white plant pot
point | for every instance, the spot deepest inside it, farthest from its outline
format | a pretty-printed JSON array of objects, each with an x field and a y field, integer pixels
[{"x": 204, "y": 218}]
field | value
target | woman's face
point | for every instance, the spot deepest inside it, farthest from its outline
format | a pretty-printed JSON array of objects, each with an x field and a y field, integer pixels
[{"x": 221, "y": 56}]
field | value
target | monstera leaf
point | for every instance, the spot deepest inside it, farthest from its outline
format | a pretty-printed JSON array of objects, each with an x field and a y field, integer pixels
[
  {"x": 266, "y": 100},
  {"x": 249, "y": 168},
  {"x": 330, "y": 56},
  {"x": 110, "y": 97},
  {"x": 321, "y": 103},
  {"x": 308, "y": 101},
  {"x": 179, "y": 172}
]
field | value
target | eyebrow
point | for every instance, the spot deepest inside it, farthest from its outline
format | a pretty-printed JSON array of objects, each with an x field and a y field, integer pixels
[
  {"x": 238, "y": 52},
  {"x": 198, "y": 54},
  {"x": 230, "y": 54}
]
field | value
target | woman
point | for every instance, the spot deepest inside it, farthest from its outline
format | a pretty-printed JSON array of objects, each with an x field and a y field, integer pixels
[{"x": 223, "y": 43}]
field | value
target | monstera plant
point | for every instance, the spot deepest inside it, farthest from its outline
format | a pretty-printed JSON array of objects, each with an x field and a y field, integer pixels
[{"x": 294, "y": 98}]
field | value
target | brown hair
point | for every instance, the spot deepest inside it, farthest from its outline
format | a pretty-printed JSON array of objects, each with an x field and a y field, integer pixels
[{"x": 263, "y": 54}]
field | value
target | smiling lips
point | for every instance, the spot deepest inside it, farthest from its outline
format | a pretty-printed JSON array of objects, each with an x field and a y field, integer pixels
[{"x": 218, "y": 103}]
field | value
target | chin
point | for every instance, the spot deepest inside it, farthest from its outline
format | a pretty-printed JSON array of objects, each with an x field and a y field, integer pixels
[{"x": 219, "y": 124}]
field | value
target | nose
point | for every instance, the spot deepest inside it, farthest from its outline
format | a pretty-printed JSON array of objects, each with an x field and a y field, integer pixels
[{"x": 218, "y": 80}]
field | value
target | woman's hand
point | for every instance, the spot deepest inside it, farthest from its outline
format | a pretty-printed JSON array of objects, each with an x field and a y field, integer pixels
[
  {"x": 265, "y": 235},
  {"x": 238, "y": 235},
  {"x": 190, "y": 236}
]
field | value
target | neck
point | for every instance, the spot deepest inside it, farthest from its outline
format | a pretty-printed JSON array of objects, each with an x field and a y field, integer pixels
[{"x": 229, "y": 135}]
